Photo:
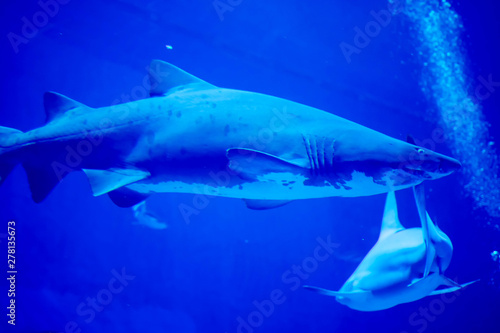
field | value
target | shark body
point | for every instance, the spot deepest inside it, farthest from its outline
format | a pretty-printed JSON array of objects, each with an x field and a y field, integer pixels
[
  {"x": 193, "y": 137},
  {"x": 397, "y": 269}
]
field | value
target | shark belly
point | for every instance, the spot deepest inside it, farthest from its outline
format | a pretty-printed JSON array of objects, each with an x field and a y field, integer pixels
[{"x": 271, "y": 187}]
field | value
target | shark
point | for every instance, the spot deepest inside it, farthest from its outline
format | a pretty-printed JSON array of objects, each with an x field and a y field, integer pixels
[
  {"x": 190, "y": 136},
  {"x": 397, "y": 269}
]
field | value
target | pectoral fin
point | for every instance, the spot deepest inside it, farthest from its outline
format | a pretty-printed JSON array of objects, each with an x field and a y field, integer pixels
[
  {"x": 418, "y": 280},
  {"x": 335, "y": 293},
  {"x": 455, "y": 287},
  {"x": 249, "y": 163},
  {"x": 104, "y": 181},
  {"x": 265, "y": 204}
]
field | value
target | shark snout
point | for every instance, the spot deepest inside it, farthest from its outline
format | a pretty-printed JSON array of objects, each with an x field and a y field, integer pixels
[
  {"x": 431, "y": 165},
  {"x": 448, "y": 165}
]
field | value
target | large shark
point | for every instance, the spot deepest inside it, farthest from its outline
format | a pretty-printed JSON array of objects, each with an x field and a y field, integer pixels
[
  {"x": 397, "y": 270},
  {"x": 193, "y": 137}
]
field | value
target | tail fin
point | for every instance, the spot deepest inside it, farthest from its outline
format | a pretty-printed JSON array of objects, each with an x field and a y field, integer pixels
[
  {"x": 43, "y": 176},
  {"x": 8, "y": 160}
]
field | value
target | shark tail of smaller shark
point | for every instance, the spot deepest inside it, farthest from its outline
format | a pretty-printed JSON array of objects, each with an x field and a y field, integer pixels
[{"x": 8, "y": 156}]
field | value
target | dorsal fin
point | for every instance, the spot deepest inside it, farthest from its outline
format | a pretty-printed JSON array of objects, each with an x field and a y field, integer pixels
[
  {"x": 419, "y": 193},
  {"x": 390, "y": 221},
  {"x": 56, "y": 105},
  {"x": 410, "y": 139},
  {"x": 164, "y": 77}
]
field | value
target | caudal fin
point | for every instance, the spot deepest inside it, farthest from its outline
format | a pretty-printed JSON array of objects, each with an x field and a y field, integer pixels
[
  {"x": 42, "y": 177},
  {"x": 8, "y": 158}
]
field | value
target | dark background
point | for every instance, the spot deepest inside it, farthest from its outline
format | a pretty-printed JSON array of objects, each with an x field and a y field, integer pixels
[{"x": 202, "y": 276}]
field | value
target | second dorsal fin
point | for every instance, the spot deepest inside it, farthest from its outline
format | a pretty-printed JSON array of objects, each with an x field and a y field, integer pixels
[{"x": 56, "y": 105}]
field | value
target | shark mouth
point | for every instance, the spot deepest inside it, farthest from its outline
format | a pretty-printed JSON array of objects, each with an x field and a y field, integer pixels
[{"x": 416, "y": 172}]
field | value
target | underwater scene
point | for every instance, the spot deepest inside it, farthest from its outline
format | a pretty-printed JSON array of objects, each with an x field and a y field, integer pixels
[{"x": 250, "y": 166}]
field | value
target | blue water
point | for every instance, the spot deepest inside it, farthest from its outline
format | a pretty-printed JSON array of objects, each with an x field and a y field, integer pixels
[{"x": 84, "y": 265}]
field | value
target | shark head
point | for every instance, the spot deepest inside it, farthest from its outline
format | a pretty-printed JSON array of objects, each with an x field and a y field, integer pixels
[
  {"x": 426, "y": 164},
  {"x": 391, "y": 162}
]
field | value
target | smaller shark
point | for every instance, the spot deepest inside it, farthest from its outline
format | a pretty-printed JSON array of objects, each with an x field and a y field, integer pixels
[{"x": 397, "y": 269}]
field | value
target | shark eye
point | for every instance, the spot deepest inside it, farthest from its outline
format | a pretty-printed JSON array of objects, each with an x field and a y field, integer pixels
[{"x": 420, "y": 151}]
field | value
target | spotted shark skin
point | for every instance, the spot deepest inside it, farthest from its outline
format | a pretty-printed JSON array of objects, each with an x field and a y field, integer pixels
[{"x": 193, "y": 137}]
